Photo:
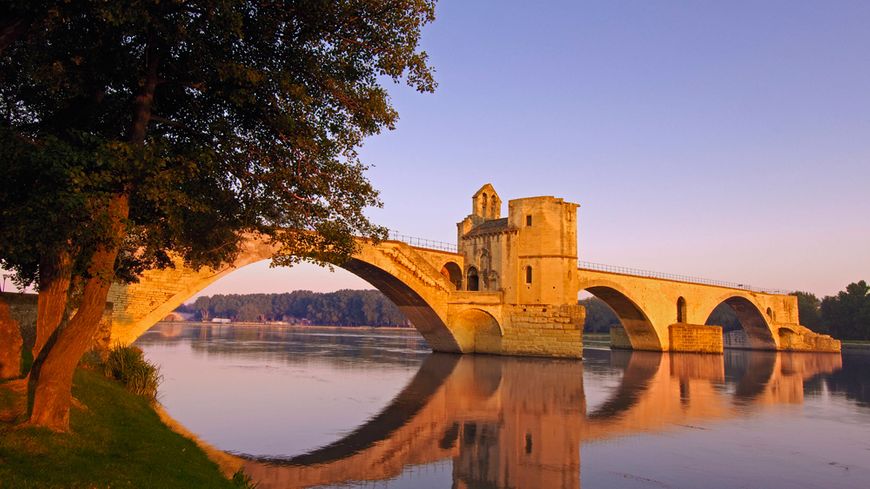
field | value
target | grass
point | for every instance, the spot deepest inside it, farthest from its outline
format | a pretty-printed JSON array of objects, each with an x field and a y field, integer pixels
[
  {"x": 127, "y": 365},
  {"x": 116, "y": 440}
]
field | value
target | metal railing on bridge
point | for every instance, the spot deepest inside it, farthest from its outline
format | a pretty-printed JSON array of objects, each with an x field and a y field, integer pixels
[
  {"x": 421, "y": 242},
  {"x": 600, "y": 267}
]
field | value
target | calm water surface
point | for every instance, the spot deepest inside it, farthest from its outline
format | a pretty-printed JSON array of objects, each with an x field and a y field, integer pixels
[{"x": 319, "y": 407}]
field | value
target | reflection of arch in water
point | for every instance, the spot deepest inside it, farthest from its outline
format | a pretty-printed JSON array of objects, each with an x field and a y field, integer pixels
[
  {"x": 431, "y": 376},
  {"x": 496, "y": 417},
  {"x": 640, "y": 368},
  {"x": 752, "y": 371},
  {"x": 637, "y": 325},
  {"x": 754, "y": 324}
]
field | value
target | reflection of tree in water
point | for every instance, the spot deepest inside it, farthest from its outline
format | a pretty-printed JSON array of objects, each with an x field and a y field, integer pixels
[
  {"x": 853, "y": 380},
  {"x": 290, "y": 344}
]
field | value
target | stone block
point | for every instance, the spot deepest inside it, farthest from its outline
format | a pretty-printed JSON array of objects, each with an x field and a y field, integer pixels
[{"x": 695, "y": 338}]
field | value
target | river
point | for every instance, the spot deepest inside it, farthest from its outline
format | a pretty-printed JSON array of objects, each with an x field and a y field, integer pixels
[{"x": 340, "y": 407}]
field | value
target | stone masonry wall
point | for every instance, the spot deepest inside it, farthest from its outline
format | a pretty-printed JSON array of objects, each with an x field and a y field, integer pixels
[
  {"x": 540, "y": 330},
  {"x": 696, "y": 338},
  {"x": 23, "y": 309}
]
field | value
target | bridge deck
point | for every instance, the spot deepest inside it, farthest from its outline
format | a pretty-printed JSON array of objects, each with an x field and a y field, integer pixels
[{"x": 635, "y": 272}]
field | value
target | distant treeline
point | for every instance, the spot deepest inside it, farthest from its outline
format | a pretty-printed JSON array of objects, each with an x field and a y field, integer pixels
[
  {"x": 845, "y": 316},
  {"x": 341, "y": 308}
]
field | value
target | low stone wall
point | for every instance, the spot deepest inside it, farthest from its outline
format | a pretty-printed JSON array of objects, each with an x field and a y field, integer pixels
[
  {"x": 695, "y": 338},
  {"x": 23, "y": 309},
  {"x": 794, "y": 337},
  {"x": 545, "y": 331}
]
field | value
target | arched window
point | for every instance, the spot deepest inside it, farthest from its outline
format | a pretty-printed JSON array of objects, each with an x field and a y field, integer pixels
[
  {"x": 681, "y": 310},
  {"x": 483, "y": 205},
  {"x": 472, "y": 280},
  {"x": 528, "y": 274},
  {"x": 493, "y": 208},
  {"x": 770, "y": 314}
]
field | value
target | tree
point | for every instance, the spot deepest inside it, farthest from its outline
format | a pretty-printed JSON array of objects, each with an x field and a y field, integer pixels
[
  {"x": 809, "y": 311},
  {"x": 137, "y": 133},
  {"x": 599, "y": 316},
  {"x": 848, "y": 313},
  {"x": 723, "y": 315}
]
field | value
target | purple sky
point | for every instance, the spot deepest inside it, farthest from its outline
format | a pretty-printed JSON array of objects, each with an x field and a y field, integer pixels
[{"x": 727, "y": 140}]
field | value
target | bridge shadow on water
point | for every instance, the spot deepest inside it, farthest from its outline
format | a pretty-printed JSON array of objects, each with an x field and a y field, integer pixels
[{"x": 507, "y": 422}]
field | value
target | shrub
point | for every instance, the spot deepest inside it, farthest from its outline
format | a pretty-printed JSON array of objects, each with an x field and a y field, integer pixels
[
  {"x": 243, "y": 481},
  {"x": 127, "y": 365}
]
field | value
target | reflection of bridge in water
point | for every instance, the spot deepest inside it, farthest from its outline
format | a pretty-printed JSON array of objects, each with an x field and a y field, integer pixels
[{"x": 520, "y": 422}]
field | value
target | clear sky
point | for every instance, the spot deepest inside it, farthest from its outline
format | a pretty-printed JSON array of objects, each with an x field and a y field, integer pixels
[{"x": 727, "y": 140}]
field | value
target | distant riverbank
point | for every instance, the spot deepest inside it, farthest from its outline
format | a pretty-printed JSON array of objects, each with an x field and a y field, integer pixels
[{"x": 297, "y": 326}]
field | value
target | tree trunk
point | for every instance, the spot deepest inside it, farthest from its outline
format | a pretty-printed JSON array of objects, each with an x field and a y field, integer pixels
[
  {"x": 54, "y": 282},
  {"x": 53, "y": 391}
]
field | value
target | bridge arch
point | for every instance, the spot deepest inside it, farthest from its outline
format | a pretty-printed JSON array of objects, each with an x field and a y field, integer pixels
[
  {"x": 391, "y": 267},
  {"x": 754, "y": 322},
  {"x": 481, "y": 327},
  {"x": 641, "y": 332}
]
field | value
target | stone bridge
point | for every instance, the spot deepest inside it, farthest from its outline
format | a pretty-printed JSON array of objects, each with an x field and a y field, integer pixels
[
  {"x": 670, "y": 314},
  {"x": 509, "y": 287},
  {"x": 522, "y": 422}
]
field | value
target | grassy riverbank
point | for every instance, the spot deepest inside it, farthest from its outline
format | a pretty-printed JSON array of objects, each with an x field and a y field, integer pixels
[{"x": 116, "y": 440}]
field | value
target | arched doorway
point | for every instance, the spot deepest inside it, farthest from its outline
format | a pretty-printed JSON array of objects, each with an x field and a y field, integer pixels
[
  {"x": 472, "y": 280},
  {"x": 453, "y": 273}
]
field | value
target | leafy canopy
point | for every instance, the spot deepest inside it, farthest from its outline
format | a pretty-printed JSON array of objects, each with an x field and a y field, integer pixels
[{"x": 258, "y": 109}]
